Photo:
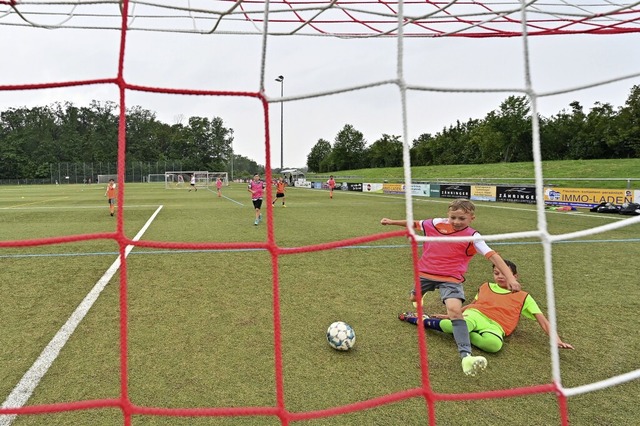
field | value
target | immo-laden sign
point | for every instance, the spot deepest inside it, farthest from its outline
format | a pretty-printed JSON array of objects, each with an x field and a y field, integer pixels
[{"x": 586, "y": 197}]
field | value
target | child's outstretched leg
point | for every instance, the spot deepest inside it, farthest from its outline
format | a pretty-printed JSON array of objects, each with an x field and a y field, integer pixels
[
  {"x": 427, "y": 322},
  {"x": 471, "y": 365},
  {"x": 483, "y": 333}
]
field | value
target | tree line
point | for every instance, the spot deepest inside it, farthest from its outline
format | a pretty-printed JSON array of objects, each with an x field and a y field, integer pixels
[
  {"x": 32, "y": 139},
  {"x": 504, "y": 135}
]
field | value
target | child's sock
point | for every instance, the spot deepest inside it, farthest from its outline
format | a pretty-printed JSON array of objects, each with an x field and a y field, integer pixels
[
  {"x": 432, "y": 323},
  {"x": 461, "y": 336}
]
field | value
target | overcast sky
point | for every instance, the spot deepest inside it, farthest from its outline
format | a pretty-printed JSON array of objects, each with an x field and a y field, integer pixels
[{"x": 313, "y": 65}]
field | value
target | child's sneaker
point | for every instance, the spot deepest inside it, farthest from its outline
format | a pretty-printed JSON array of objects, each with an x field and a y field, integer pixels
[
  {"x": 411, "y": 317},
  {"x": 472, "y": 365},
  {"x": 406, "y": 316},
  {"x": 256, "y": 222}
]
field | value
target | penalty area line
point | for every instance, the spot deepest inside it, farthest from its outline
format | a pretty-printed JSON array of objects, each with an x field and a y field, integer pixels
[
  {"x": 226, "y": 198},
  {"x": 24, "y": 389},
  {"x": 232, "y": 200}
]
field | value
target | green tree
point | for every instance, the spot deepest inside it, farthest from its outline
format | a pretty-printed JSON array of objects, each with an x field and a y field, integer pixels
[
  {"x": 320, "y": 152},
  {"x": 601, "y": 136},
  {"x": 446, "y": 147},
  {"x": 142, "y": 135},
  {"x": 386, "y": 152},
  {"x": 99, "y": 126},
  {"x": 28, "y": 139},
  {"x": 421, "y": 154},
  {"x": 208, "y": 144},
  {"x": 513, "y": 121},
  {"x": 13, "y": 123},
  {"x": 39, "y": 142},
  {"x": 245, "y": 168},
  {"x": 349, "y": 149},
  {"x": 487, "y": 141},
  {"x": 628, "y": 125}
]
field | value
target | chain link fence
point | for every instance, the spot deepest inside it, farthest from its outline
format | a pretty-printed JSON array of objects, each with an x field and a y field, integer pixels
[{"x": 85, "y": 173}]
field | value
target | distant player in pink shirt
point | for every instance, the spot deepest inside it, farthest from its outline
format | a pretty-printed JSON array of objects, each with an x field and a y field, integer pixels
[
  {"x": 219, "y": 187},
  {"x": 443, "y": 265},
  {"x": 332, "y": 184},
  {"x": 256, "y": 188}
]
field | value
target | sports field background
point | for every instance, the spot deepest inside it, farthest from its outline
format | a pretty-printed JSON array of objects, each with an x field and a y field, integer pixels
[{"x": 201, "y": 322}]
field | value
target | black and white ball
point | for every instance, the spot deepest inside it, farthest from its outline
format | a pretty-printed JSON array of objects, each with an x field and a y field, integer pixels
[{"x": 341, "y": 336}]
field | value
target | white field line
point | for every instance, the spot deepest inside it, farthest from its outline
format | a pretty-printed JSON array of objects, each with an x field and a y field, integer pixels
[
  {"x": 70, "y": 207},
  {"x": 24, "y": 389}
]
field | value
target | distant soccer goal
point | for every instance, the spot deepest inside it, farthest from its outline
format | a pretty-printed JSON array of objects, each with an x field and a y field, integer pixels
[
  {"x": 202, "y": 179},
  {"x": 105, "y": 178},
  {"x": 155, "y": 178},
  {"x": 224, "y": 177}
]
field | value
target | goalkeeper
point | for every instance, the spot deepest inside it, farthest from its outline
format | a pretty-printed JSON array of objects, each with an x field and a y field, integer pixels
[{"x": 493, "y": 315}]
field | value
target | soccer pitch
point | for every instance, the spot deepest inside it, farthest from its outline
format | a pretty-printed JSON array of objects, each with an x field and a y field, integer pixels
[{"x": 200, "y": 322}]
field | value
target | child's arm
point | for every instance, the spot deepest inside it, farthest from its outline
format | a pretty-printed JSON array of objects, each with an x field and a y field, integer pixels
[
  {"x": 386, "y": 221},
  {"x": 544, "y": 324},
  {"x": 512, "y": 282}
]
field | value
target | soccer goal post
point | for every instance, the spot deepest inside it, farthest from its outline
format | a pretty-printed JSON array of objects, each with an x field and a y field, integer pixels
[
  {"x": 106, "y": 178},
  {"x": 201, "y": 179}
]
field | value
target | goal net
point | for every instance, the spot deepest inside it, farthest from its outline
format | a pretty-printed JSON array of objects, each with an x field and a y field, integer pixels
[
  {"x": 200, "y": 179},
  {"x": 386, "y": 88},
  {"x": 107, "y": 178}
]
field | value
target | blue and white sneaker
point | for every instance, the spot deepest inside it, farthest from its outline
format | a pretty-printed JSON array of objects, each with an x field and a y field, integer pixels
[{"x": 411, "y": 317}]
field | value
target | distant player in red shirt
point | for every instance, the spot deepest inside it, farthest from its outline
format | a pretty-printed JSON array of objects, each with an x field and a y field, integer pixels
[
  {"x": 332, "y": 184},
  {"x": 219, "y": 187},
  {"x": 280, "y": 185},
  {"x": 110, "y": 193}
]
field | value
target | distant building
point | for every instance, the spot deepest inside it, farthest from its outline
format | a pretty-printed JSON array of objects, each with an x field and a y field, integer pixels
[{"x": 292, "y": 175}]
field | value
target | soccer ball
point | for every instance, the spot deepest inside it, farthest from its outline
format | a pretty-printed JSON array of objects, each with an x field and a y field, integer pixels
[{"x": 341, "y": 336}]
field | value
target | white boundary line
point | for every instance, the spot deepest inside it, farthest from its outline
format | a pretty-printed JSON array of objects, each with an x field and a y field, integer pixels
[
  {"x": 227, "y": 198},
  {"x": 24, "y": 389}
]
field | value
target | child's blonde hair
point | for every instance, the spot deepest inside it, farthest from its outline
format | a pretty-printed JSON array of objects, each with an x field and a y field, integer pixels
[{"x": 462, "y": 204}]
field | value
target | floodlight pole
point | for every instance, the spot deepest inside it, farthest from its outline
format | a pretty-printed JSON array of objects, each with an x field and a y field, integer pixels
[
  {"x": 232, "y": 155},
  {"x": 280, "y": 80}
]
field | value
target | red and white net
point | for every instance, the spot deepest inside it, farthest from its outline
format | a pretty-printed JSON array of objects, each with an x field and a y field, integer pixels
[
  {"x": 272, "y": 21},
  {"x": 335, "y": 18}
]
